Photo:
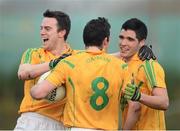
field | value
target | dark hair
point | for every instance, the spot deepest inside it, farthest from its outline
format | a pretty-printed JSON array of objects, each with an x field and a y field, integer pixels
[
  {"x": 63, "y": 20},
  {"x": 96, "y": 31},
  {"x": 137, "y": 26}
]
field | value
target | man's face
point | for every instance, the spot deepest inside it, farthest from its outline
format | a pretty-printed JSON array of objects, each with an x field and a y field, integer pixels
[
  {"x": 49, "y": 33},
  {"x": 128, "y": 44}
]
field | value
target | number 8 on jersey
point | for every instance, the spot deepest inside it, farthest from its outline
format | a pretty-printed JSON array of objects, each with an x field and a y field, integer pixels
[{"x": 99, "y": 91}]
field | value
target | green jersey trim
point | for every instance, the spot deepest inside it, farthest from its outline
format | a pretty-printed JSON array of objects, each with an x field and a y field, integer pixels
[
  {"x": 27, "y": 58},
  {"x": 149, "y": 71},
  {"x": 71, "y": 65}
]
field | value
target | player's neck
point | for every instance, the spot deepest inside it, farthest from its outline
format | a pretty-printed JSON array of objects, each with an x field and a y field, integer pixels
[
  {"x": 93, "y": 48},
  {"x": 59, "y": 49},
  {"x": 127, "y": 59}
]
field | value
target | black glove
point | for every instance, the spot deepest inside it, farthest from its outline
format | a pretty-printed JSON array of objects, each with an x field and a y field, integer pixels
[
  {"x": 146, "y": 53},
  {"x": 54, "y": 62}
]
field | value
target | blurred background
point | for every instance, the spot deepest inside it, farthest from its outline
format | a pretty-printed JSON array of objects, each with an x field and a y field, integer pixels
[{"x": 20, "y": 25}]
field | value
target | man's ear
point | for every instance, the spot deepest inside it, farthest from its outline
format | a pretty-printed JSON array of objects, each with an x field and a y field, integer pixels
[
  {"x": 142, "y": 42},
  {"x": 106, "y": 42},
  {"x": 62, "y": 33}
]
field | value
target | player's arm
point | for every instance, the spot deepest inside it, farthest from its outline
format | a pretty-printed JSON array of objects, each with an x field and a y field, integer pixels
[
  {"x": 30, "y": 71},
  {"x": 158, "y": 100},
  {"x": 41, "y": 90},
  {"x": 55, "y": 79},
  {"x": 133, "y": 114}
]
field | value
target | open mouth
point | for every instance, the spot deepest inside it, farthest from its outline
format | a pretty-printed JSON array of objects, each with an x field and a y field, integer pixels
[{"x": 45, "y": 40}]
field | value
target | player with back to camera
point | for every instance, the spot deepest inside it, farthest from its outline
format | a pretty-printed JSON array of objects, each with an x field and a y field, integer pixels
[
  {"x": 93, "y": 98},
  {"x": 96, "y": 92}
]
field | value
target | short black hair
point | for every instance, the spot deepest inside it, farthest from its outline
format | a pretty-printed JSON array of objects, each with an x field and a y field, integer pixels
[
  {"x": 95, "y": 31},
  {"x": 137, "y": 26},
  {"x": 63, "y": 20}
]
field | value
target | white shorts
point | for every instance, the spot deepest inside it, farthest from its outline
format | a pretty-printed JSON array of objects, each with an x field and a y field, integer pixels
[
  {"x": 82, "y": 129},
  {"x": 35, "y": 121}
]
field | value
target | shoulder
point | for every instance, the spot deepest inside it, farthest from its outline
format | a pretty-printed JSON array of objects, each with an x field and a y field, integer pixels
[
  {"x": 116, "y": 57},
  {"x": 152, "y": 70},
  {"x": 74, "y": 58},
  {"x": 152, "y": 65},
  {"x": 116, "y": 61},
  {"x": 30, "y": 54},
  {"x": 33, "y": 50},
  {"x": 78, "y": 52}
]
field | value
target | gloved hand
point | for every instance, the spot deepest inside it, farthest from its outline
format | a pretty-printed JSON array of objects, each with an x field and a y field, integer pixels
[
  {"x": 146, "y": 53},
  {"x": 132, "y": 92},
  {"x": 54, "y": 62}
]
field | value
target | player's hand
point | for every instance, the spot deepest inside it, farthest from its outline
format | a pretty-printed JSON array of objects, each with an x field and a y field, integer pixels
[
  {"x": 54, "y": 62},
  {"x": 146, "y": 53},
  {"x": 132, "y": 92},
  {"x": 24, "y": 71}
]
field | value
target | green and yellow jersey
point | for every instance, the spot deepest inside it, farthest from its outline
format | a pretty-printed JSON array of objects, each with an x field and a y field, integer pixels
[
  {"x": 93, "y": 83},
  {"x": 147, "y": 75},
  {"x": 52, "y": 110}
]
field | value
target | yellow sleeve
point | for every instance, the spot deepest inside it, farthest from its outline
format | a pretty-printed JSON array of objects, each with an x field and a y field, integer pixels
[
  {"x": 154, "y": 74},
  {"x": 160, "y": 75},
  {"x": 57, "y": 76},
  {"x": 30, "y": 56}
]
